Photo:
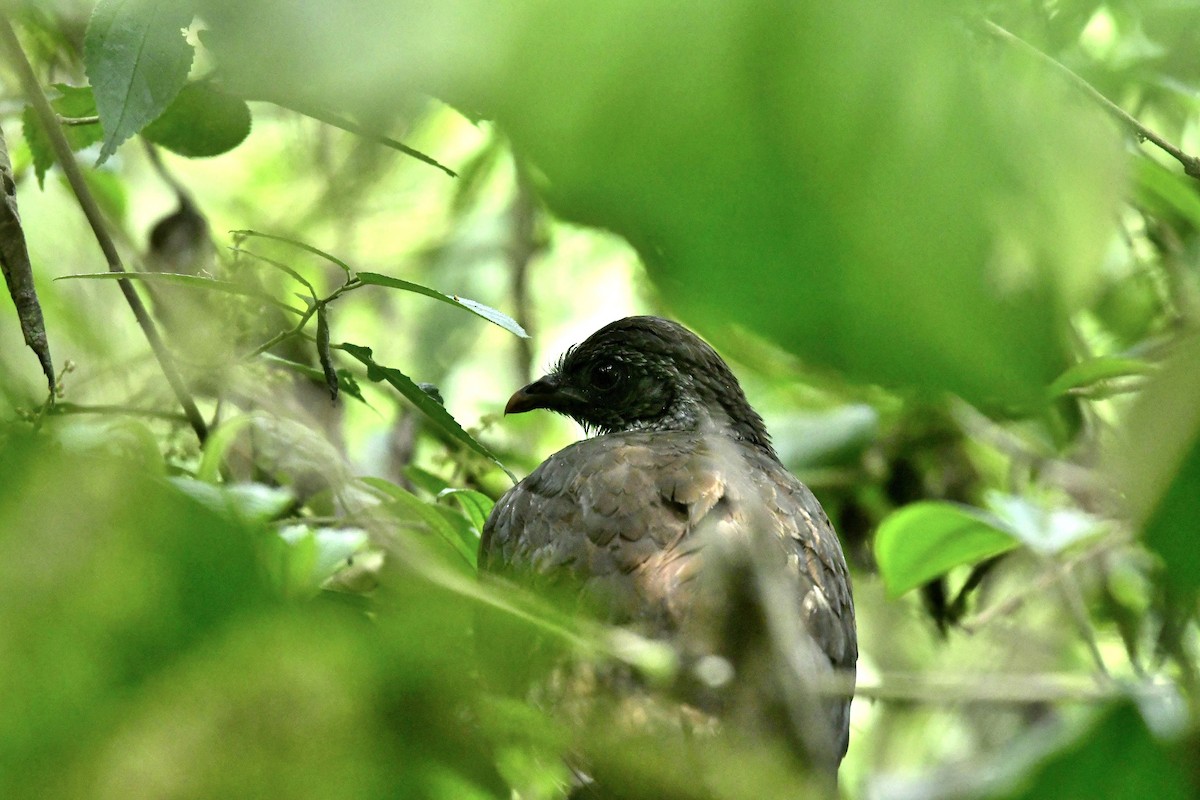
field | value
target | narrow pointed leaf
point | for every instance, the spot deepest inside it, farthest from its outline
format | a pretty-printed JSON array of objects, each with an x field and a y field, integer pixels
[{"x": 418, "y": 397}]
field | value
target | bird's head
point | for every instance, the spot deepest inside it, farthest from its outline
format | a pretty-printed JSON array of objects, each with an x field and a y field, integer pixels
[{"x": 644, "y": 373}]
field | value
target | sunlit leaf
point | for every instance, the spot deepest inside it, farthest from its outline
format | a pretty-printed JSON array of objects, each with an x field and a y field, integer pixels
[
  {"x": 247, "y": 502},
  {"x": 486, "y": 312},
  {"x": 1097, "y": 370},
  {"x": 1046, "y": 530},
  {"x": 921, "y": 541}
]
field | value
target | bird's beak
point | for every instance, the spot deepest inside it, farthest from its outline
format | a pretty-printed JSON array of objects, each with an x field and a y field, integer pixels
[{"x": 546, "y": 392}]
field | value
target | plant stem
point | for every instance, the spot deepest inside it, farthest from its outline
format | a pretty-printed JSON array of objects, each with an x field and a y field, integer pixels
[{"x": 66, "y": 159}]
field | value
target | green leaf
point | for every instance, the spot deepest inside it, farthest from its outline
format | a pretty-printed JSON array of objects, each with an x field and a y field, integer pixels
[
  {"x": 1084, "y": 769},
  {"x": 1088, "y": 373},
  {"x": 1165, "y": 191},
  {"x": 924, "y": 540},
  {"x": 487, "y": 312},
  {"x": 194, "y": 281},
  {"x": 451, "y": 527},
  {"x": 346, "y": 382},
  {"x": 216, "y": 446},
  {"x": 202, "y": 121},
  {"x": 74, "y": 102},
  {"x": 418, "y": 397},
  {"x": 254, "y": 503},
  {"x": 317, "y": 554},
  {"x": 1171, "y": 529},
  {"x": 241, "y": 234},
  {"x": 475, "y": 505},
  {"x": 137, "y": 61}
]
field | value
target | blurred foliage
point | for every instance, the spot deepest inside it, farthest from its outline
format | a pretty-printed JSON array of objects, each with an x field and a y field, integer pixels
[{"x": 962, "y": 290}]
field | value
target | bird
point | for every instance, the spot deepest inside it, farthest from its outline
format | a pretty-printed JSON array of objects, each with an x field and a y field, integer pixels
[{"x": 677, "y": 518}]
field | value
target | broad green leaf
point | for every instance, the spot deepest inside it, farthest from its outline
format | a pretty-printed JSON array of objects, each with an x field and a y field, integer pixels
[
  {"x": 1097, "y": 370},
  {"x": 73, "y": 102},
  {"x": 137, "y": 61},
  {"x": 488, "y": 313},
  {"x": 1084, "y": 769},
  {"x": 1171, "y": 529},
  {"x": 1154, "y": 458},
  {"x": 948, "y": 262},
  {"x": 426, "y": 480},
  {"x": 921, "y": 541},
  {"x": 1165, "y": 191},
  {"x": 202, "y": 121},
  {"x": 418, "y": 397}
]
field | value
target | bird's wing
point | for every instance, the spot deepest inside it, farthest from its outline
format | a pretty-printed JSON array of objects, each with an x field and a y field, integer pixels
[
  {"x": 610, "y": 513},
  {"x": 627, "y": 514},
  {"x": 632, "y": 518}
]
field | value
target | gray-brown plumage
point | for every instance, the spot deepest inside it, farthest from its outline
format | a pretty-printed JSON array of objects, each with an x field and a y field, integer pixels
[{"x": 679, "y": 519}]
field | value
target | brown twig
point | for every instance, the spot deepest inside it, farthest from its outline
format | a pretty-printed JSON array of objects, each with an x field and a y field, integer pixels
[
  {"x": 66, "y": 159},
  {"x": 1191, "y": 164}
]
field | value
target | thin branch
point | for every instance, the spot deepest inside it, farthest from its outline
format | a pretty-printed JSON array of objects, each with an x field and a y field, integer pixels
[
  {"x": 116, "y": 410},
  {"x": 77, "y": 121},
  {"x": 1191, "y": 164},
  {"x": 87, "y": 203},
  {"x": 993, "y": 688}
]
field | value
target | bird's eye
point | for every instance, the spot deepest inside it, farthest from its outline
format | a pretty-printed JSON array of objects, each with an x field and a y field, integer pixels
[{"x": 606, "y": 377}]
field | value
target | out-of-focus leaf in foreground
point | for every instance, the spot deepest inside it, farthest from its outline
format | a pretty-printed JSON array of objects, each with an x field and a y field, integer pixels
[
  {"x": 144, "y": 653},
  {"x": 1084, "y": 770},
  {"x": 854, "y": 180}
]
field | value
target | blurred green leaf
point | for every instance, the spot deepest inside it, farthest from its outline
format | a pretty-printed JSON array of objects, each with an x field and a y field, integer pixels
[
  {"x": 251, "y": 503},
  {"x": 1171, "y": 528},
  {"x": 451, "y": 527},
  {"x": 73, "y": 102},
  {"x": 201, "y": 121},
  {"x": 921, "y": 541},
  {"x": 312, "y": 555},
  {"x": 1166, "y": 191},
  {"x": 1084, "y": 769},
  {"x": 135, "y": 575},
  {"x": 427, "y": 405},
  {"x": 1097, "y": 370},
  {"x": 479, "y": 309},
  {"x": 137, "y": 61}
]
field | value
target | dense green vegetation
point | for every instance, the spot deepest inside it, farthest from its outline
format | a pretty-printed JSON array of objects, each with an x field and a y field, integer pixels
[{"x": 951, "y": 249}]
